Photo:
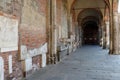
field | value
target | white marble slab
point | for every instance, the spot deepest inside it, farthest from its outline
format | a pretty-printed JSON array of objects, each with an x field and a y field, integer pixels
[
  {"x": 9, "y": 49},
  {"x": 10, "y": 64},
  {"x": 25, "y": 53},
  {"x": 1, "y": 68},
  {"x": 28, "y": 64},
  {"x": 43, "y": 60},
  {"x": 8, "y": 33}
]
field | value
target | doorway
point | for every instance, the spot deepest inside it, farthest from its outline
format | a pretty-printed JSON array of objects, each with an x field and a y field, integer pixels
[{"x": 90, "y": 33}]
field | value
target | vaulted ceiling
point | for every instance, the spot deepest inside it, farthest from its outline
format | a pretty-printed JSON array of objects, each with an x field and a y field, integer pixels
[
  {"x": 89, "y": 4},
  {"x": 89, "y": 8},
  {"x": 89, "y": 14}
]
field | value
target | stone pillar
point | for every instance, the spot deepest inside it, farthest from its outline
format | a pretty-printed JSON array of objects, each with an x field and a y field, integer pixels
[
  {"x": 71, "y": 37},
  {"x": 104, "y": 36},
  {"x": 107, "y": 34},
  {"x": 114, "y": 41},
  {"x": 69, "y": 24},
  {"x": 100, "y": 36},
  {"x": 69, "y": 32},
  {"x": 77, "y": 32},
  {"x": 75, "y": 37},
  {"x": 116, "y": 33},
  {"x": 48, "y": 26},
  {"x": 80, "y": 35},
  {"x": 119, "y": 32},
  {"x": 111, "y": 29},
  {"x": 54, "y": 32}
]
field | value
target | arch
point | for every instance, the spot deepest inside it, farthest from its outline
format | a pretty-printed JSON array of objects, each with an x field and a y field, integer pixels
[
  {"x": 89, "y": 18},
  {"x": 94, "y": 10},
  {"x": 89, "y": 13},
  {"x": 106, "y": 1}
]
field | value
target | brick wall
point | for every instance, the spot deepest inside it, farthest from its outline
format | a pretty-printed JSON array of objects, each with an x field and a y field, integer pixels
[
  {"x": 32, "y": 32},
  {"x": 11, "y": 8},
  {"x": 17, "y": 68},
  {"x": 33, "y": 25}
]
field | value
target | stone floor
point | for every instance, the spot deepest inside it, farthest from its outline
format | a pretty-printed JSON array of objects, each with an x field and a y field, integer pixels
[{"x": 87, "y": 63}]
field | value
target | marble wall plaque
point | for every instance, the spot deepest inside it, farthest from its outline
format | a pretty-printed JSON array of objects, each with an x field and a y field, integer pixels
[{"x": 8, "y": 33}]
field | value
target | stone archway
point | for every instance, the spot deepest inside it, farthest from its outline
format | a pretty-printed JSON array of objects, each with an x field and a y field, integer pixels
[
  {"x": 82, "y": 10},
  {"x": 90, "y": 21}
]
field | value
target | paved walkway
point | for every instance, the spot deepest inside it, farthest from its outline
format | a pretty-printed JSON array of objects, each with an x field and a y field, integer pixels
[{"x": 87, "y": 63}]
